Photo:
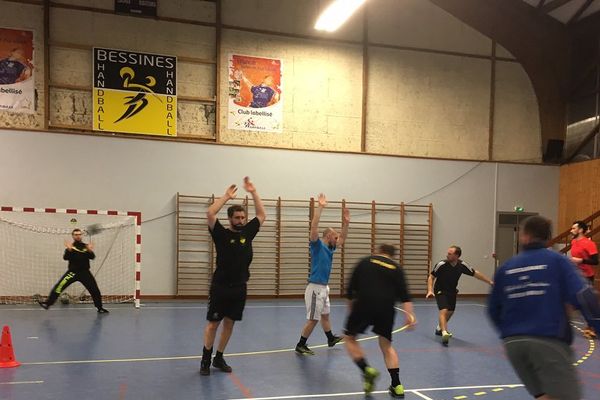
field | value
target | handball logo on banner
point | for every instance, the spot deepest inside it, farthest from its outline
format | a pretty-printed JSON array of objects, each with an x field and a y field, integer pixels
[
  {"x": 249, "y": 123},
  {"x": 135, "y": 92},
  {"x": 136, "y": 103}
]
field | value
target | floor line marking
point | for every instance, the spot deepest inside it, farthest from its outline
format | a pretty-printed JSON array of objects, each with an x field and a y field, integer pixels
[
  {"x": 591, "y": 347},
  {"x": 22, "y": 383},
  {"x": 237, "y": 382},
  {"x": 193, "y": 357},
  {"x": 415, "y": 391},
  {"x": 421, "y": 395},
  {"x": 56, "y": 309}
]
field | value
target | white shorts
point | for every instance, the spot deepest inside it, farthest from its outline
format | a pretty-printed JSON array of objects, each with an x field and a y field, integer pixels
[{"x": 316, "y": 298}]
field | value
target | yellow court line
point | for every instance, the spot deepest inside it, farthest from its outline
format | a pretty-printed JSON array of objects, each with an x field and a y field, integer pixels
[
  {"x": 590, "y": 351},
  {"x": 195, "y": 357}
]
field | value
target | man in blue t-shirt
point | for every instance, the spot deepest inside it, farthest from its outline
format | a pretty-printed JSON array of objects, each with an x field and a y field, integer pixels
[
  {"x": 263, "y": 95},
  {"x": 529, "y": 305},
  {"x": 14, "y": 68},
  {"x": 316, "y": 295}
]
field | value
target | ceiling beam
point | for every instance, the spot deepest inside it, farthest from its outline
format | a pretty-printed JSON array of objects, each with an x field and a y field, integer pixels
[
  {"x": 580, "y": 11},
  {"x": 554, "y": 4},
  {"x": 588, "y": 25},
  {"x": 540, "y": 44}
]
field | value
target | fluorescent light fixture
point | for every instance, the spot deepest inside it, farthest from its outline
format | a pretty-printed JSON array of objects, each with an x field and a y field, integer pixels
[{"x": 336, "y": 14}]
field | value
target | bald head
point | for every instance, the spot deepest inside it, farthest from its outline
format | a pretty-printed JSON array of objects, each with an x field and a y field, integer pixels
[{"x": 330, "y": 236}]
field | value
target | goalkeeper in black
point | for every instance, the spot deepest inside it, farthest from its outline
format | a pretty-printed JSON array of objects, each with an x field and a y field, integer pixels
[
  {"x": 78, "y": 254},
  {"x": 377, "y": 283}
]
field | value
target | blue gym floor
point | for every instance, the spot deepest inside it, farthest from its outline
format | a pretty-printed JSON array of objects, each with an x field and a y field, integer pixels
[{"x": 71, "y": 352}]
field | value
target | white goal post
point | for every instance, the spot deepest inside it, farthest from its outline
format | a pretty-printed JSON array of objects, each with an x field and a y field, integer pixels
[{"x": 32, "y": 246}]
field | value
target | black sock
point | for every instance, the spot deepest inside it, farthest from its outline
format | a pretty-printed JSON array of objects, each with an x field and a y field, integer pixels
[
  {"x": 219, "y": 355},
  {"x": 362, "y": 364},
  {"x": 395, "y": 375},
  {"x": 329, "y": 335},
  {"x": 302, "y": 341},
  {"x": 206, "y": 354}
]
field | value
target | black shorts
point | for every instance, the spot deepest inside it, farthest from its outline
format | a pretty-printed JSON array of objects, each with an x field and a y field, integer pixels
[
  {"x": 364, "y": 315},
  {"x": 446, "y": 301},
  {"x": 226, "y": 301}
]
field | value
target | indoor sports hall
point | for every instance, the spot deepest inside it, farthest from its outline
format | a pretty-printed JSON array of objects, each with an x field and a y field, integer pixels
[{"x": 299, "y": 199}]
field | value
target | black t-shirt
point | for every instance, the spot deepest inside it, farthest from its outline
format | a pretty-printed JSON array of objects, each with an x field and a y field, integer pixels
[
  {"x": 234, "y": 252},
  {"x": 447, "y": 275},
  {"x": 379, "y": 281},
  {"x": 79, "y": 257}
]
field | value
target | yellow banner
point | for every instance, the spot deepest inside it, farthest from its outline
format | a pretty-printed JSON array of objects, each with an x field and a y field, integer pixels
[
  {"x": 135, "y": 92},
  {"x": 114, "y": 112}
]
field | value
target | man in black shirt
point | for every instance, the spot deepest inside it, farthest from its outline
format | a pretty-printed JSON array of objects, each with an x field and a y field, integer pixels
[
  {"x": 227, "y": 296},
  {"x": 446, "y": 274},
  {"x": 78, "y": 254},
  {"x": 376, "y": 284}
]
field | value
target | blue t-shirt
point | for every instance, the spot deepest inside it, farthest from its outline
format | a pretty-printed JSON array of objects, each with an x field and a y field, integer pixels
[
  {"x": 261, "y": 96},
  {"x": 10, "y": 71},
  {"x": 530, "y": 292},
  {"x": 321, "y": 257}
]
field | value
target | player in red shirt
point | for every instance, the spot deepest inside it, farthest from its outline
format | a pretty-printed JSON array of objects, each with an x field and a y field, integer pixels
[{"x": 584, "y": 254}]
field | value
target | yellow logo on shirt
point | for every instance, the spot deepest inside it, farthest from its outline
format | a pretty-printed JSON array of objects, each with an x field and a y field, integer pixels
[
  {"x": 242, "y": 240},
  {"x": 383, "y": 264}
]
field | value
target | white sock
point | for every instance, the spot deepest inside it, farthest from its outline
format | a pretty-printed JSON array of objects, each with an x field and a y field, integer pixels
[{"x": 437, "y": 328}]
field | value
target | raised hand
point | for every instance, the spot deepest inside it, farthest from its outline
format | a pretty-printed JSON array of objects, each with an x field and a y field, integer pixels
[
  {"x": 68, "y": 245},
  {"x": 231, "y": 192},
  {"x": 248, "y": 185},
  {"x": 345, "y": 216},
  {"x": 90, "y": 246},
  {"x": 322, "y": 200}
]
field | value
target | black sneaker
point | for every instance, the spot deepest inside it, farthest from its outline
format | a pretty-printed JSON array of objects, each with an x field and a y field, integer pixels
[
  {"x": 43, "y": 305},
  {"x": 334, "y": 341},
  {"x": 220, "y": 363},
  {"x": 102, "y": 311},
  {"x": 205, "y": 367},
  {"x": 438, "y": 332},
  {"x": 304, "y": 350}
]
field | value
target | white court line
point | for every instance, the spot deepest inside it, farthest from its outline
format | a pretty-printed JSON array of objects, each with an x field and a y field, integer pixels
[
  {"x": 199, "y": 307},
  {"x": 193, "y": 357},
  {"x": 421, "y": 395},
  {"x": 21, "y": 383},
  {"x": 415, "y": 391}
]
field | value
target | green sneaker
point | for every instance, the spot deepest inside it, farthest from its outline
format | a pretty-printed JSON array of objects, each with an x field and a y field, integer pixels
[
  {"x": 304, "y": 350},
  {"x": 397, "y": 391},
  {"x": 446, "y": 338},
  {"x": 369, "y": 377},
  {"x": 334, "y": 341}
]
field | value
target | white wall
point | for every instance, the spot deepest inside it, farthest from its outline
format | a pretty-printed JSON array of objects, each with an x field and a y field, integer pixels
[{"x": 61, "y": 170}]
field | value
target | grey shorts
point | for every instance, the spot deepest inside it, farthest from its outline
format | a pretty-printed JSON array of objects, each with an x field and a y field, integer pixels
[{"x": 544, "y": 365}]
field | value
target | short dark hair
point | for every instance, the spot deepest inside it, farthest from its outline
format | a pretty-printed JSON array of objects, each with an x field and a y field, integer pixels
[
  {"x": 233, "y": 209},
  {"x": 538, "y": 227},
  {"x": 75, "y": 230},
  {"x": 581, "y": 225},
  {"x": 387, "y": 249},
  {"x": 457, "y": 250}
]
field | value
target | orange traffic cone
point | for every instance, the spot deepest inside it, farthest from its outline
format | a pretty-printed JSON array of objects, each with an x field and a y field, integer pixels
[{"x": 7, "y": 354}]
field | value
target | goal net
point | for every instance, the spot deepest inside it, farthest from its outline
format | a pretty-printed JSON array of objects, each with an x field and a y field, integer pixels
[{"x": 32, "y": 243}]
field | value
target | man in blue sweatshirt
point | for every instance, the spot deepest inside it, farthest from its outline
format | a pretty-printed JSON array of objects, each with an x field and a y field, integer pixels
[{"x": 528, "y": 305}]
